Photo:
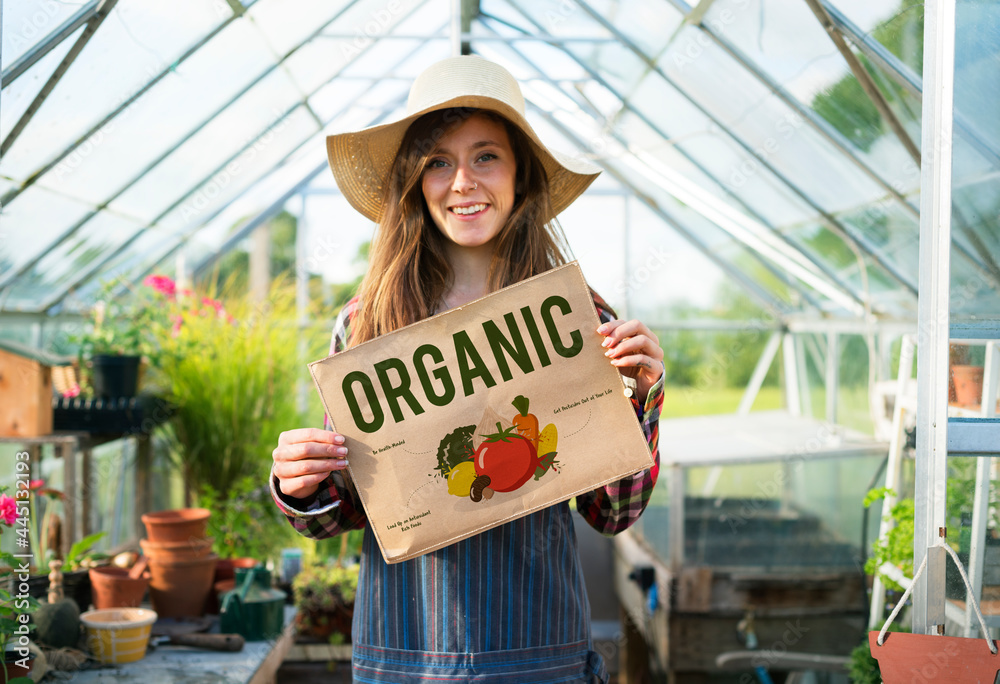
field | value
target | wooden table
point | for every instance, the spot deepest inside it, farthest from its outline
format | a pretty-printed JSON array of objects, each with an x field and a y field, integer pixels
[{"x": 257, "y": 663}]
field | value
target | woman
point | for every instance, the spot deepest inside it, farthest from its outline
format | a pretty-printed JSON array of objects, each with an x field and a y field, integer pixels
[{"x": 464, "y": 195}]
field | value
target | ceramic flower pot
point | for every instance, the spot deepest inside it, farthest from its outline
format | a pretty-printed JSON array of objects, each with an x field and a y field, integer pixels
[
  {"x": 178, "y": 525},
  {"x": 113, "y": 588},
  {"x": 968, "y": 384},
  {"x": 178, "y": 550},
  {"x": 179, "y": 588}
]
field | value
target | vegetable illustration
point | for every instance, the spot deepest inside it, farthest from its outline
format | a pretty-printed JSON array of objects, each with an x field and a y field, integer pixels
[
  {"x": 455, "y": 448},
  {"x": 460, "y": 479},
  {"x": 526, "y": 423},
  {"x": 547, "y": 440},
  {"x": 507, "y": 458}
]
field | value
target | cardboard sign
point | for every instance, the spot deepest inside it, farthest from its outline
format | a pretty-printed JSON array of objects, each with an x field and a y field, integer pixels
[{"x": 482, "y": 414}]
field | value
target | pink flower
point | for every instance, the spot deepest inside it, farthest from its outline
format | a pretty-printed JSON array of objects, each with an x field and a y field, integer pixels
[
  {"x": 162, "y": 284},
  {"x": 73, "y": 391},
  {"x": 36, "y": 484},
  {"x": 214, "y": 303},
  {"x": 178, "y": 323},
  {"x": 8, "y": 509}
]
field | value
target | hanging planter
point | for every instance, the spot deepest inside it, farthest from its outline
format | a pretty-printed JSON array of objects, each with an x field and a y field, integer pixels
[{"x": 905, "y": 658}]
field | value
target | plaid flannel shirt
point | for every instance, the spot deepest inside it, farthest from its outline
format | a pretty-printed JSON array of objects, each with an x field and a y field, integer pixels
[{"x": 611, "y": 509}]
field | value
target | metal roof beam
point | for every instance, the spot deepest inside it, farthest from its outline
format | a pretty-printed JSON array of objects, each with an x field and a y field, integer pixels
[
  {"x": 93, "y": 23},
  {"x": 626, "y": 104},
  {"x": 741, "y": 278},
  {"x": 848, "y": 234},
  {"x": 864, "y": 79},
  {"x": 28, "y": 265},
  {"x": 901, "y": 74},
  {"x": 108, "y": 257},
  {"x": 12, "y": 194},
  {"x": 44, "y": 47},
  {"x": 783, "y": 277}
]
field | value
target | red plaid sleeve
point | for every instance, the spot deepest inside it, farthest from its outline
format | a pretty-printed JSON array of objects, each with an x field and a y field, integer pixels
[
  {"x": 614, "y": 507},
  {"x": 335, "y": 507}
]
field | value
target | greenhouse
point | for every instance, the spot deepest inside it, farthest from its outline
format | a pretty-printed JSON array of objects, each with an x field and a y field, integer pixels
[{"x": 799, "y": 201}]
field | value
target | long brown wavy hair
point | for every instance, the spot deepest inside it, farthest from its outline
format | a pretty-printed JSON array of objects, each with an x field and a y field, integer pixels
[{"x": 408, "y": 270}]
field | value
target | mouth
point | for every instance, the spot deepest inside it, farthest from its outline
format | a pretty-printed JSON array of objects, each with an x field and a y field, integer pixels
[{"x": 469, "y": 209}]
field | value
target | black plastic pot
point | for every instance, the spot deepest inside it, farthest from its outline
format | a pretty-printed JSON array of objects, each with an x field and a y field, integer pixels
[{"x": 115, "y": 376}]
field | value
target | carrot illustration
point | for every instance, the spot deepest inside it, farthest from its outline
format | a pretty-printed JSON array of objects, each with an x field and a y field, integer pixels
[{"x": 525, "y": 423}]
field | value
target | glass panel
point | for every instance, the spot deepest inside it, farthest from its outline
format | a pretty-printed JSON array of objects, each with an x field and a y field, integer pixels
[
  {"x": 27, "y": 23},
  {"x": 126, "y": 265},
  {"x": 68, "y": 262},
  {"x": 259, "y": 110},
  {"x": 19, "y": 95},
  {"x": 177, "y": 105},
  {"x": 777, "y": 514},
  {"x": 138, "y": 40},
  {"x": 897, "y": 24},
  {"x": 975, "y": 294},
  {"x": 801, "y": 57},
  {"x": 32, "y": 221},
  {"x": 285, "y": 29}
]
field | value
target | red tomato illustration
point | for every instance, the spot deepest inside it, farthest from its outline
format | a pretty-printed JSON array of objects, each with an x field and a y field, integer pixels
[{"x": 507, "y": 458}]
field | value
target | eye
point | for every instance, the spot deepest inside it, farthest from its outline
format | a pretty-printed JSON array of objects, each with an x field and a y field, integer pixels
[
  {"x": 487, "y": 156},
  {"x": 436, "y": 164}
]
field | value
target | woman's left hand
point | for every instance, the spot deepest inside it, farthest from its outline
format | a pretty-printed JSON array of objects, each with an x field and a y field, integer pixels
[{"x": 635, "y": 350}]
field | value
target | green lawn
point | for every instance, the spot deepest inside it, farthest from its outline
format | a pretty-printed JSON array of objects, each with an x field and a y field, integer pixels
[{"x": 679, "y": 402}]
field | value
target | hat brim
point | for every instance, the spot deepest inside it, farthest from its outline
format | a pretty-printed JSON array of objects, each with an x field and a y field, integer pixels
[{"x": 361, "y": 160}]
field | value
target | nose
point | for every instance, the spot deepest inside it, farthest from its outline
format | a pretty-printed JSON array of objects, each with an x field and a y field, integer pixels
[{"x": 463, "y": 182}]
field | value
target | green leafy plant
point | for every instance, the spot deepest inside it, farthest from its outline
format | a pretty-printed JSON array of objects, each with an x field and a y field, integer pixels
[
  {"x": 231, "y": 370},
  {"x": 324, "y": 595},
  {"x": 863, "y": 669},
  {"x": 245, "y": 523},
  {"x": 897, "y": 547},
  {"x": 81, "y": 554}
]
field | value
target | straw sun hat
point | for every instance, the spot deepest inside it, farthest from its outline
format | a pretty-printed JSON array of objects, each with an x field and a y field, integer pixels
[{"x": 361, "y": 160}]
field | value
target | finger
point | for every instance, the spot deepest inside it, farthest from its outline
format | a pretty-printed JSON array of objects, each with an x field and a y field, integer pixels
[
  {"x": 310, "y": 468},
  {"x": 308, "y": 450},
  {"x": 640, "y": 344},
  {"x": 640, "y": 361},
  {"x": 616, "y": 331},
  {"x": 310, "y": 435}
]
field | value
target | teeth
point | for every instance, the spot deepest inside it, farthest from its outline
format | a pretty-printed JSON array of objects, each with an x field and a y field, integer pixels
[{"x": 465, "y": 211}]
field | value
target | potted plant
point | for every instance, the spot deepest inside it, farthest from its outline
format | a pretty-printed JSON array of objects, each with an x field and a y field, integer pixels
[
  {"x": 15, "y": 607},
  {"x": 229, "y": 366},
  {"x": 324, "y": 595}
]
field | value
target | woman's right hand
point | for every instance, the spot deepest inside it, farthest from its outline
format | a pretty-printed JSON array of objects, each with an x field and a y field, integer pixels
[{"x": 304, "y": 458}]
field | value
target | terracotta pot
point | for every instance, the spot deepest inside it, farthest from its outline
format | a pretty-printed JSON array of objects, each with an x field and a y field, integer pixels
[
  {"x": 176, "y": 525},
  {"x": 226, "y": 569},
  {"x": 113, "y": 588},
  {"x": 179, "y": 550},
  {"x": 178, "y": 588},
  {"x": 13, "y": 669},
  {"x": 968, "y": 384},
  {"x": 904, "y": 658}
]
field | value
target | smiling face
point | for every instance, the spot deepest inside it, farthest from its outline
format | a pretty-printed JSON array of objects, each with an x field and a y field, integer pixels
[{"x": 468, "y": 182}]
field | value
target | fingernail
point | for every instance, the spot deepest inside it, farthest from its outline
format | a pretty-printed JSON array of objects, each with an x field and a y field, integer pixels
[
  {"x": 603, "y": 328},
  {"x": 339, "y": 439},
  {"x": 342, "y": 451},
  {"x": 608, "y": 341},
  {"x": 341, "y": 464},
  {"x": 609, "y": 352}
]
